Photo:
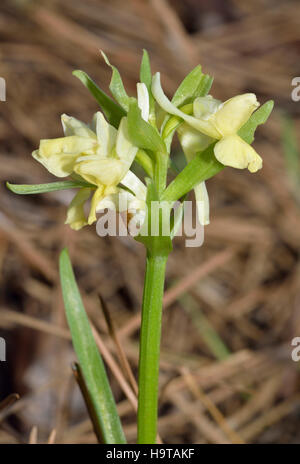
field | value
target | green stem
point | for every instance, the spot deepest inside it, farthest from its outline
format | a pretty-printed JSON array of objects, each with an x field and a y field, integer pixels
[{"x": 150, "y": 348}]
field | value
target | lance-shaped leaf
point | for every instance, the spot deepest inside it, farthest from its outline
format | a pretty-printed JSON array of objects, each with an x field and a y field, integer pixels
[
  {"x": 145, "y": 70},
  {"x": 90, "y": 361},
  {"x": 111, "y": 109},
  {"x": 26, "y": 189},
  {"x": 146, "y": 78},
  {"x": 201, "y": 168},
  {"x": 116, "y": 85},
  {"x": 260, "y": 116},
  {"x": 142, "y": 134},
  {"x": 195, "y": 84}
]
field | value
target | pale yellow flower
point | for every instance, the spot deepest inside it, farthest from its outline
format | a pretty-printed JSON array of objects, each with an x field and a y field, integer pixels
[
  {"x": 219, "y": 121},
  {"x": 132, "y": 201},
  {"x": 99, "y": 154}
]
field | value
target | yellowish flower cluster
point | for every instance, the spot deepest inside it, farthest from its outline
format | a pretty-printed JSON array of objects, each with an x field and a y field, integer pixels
[{"x": 99, "y": 154}]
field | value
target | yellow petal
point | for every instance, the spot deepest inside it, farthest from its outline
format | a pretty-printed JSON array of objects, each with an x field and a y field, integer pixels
[
  {"x": 75, "y": 214},
  {"x": 106, "y": 134},
  {"x": 98, "y": 195},
  {"x": 73, "y": 126},
  {"x": 233, "y": 151},
  {"x": 59, "y": 155},
  {"x": 234, "y": 113},
  {"x": 105, "y": 171},
  {"x": 202, "y": 201},
  {"x": 126, "y": 151}
]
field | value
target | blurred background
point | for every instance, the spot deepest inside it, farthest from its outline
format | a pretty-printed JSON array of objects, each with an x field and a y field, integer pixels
[{"x": 231, "y": 306}]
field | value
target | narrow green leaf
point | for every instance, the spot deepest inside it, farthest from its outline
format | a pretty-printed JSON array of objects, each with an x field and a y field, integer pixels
[
  {"x": 116, "y": 85},
  {"x": 142, "y": 134},
  {"x": 111, "y": 109},
  {"x": 260, "y": 116},
  {"x": 146, "y": 78},
  {"x": 206, "y": 330},
  {"x": 145, "y": 71},
  {"x": 202, "y": 167},
  {"x": 26, "y": 189},
  {"x": 90, "y": 361},
  {"x": 195, "y": 84}
]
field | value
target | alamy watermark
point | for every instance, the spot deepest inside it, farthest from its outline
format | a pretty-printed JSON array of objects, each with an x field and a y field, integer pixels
[
  {"x": 167, "y": 219},
  {"x": 296, "y": 351},
  {"x": 2, "y": 89},
  {"x": 2, "y": 349},
  {"x": 295, "y": 95}
]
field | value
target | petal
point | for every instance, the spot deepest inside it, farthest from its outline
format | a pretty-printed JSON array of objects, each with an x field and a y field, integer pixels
[
  {"x": 73, "y": 126},
  {"x": 136, "y": 206},
  {"x": 99, "y": 193},
  {"x": 202, "y": 201},
  {"x": 192, "y": 141},
  {"x": 105, "y": 171},
  {"x": 75, "y": 214},
  {"x": 136, "y": 221},
  {"x": 143, "y": 100},
  {"x": 59, "y": 155},
  {"x": 234, "y": 113},
  {"x": 108, "y": 202},
  {"x": 199, "y": 124},
  {"x": 118, "y": 201},
  {"x": 233, "y": 151},
  {"x": 132, "y": 182},
  {"x": 204, "y": 107},
  {"x": 126, "y": 151},
  {"x": 106, "y": 134}
]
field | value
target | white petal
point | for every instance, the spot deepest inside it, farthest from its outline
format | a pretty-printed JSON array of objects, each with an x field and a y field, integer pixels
[
  {"x": 201, "y": 125},
  {"x": 119, "y": 201},
  {"x": 132, "y": 182},
  {"x": 143, "y": 100},
  {"x": 108, "y": 202},
  {"x": 204, "y": 107},
  {"x": 202, "y": 201}
]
